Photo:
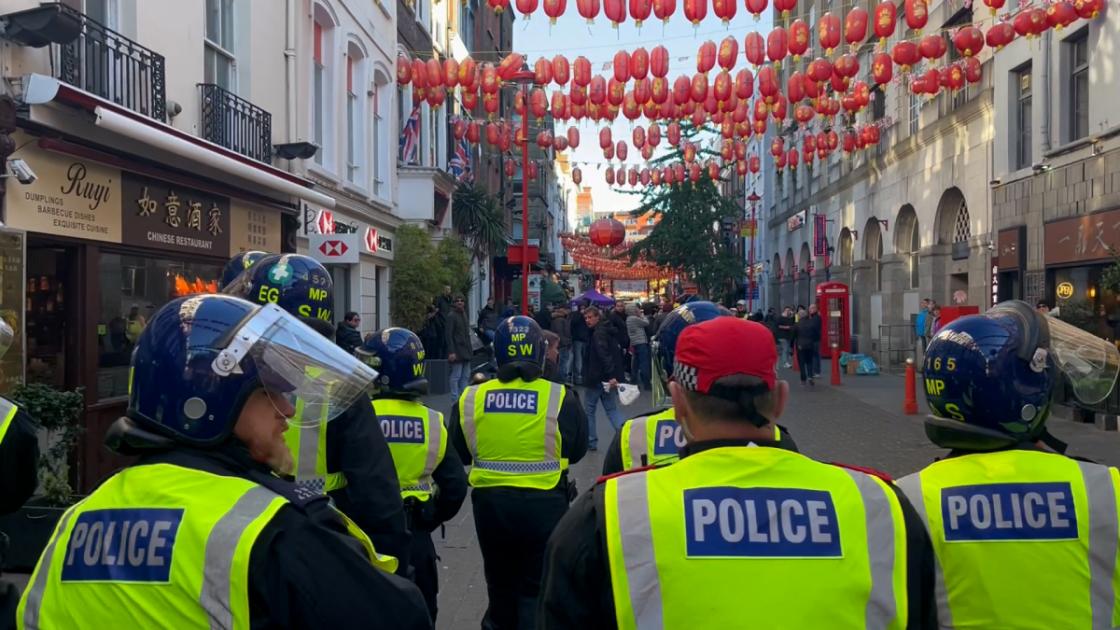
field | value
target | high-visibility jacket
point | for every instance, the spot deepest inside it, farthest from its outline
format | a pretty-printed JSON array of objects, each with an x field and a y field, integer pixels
[
  {"x": 772, "y": 538},
  {"x": 655, "y": 440},
  {"x": 418, "y": 441},
  {"x": 8, "y": 410},
  {"x": 512, "y": 430},
  {"x": 1022, "y": 539},
  {"x": 308, "y": 443}
]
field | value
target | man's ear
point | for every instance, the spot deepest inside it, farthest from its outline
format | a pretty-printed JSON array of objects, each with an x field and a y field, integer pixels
[
  {"x": 681, "y": 409},
  {"x": 781, "y": 394}
]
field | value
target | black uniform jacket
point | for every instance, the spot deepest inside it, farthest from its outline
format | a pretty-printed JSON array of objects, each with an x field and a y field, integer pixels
[
  {"x": 19, "y": 462},
  {"x": 576, "y": 591}
]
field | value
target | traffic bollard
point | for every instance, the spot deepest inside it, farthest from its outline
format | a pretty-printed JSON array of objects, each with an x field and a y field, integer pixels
[
  {"x": 910, "y": 404},
  {"x": 835, "y": 365}
]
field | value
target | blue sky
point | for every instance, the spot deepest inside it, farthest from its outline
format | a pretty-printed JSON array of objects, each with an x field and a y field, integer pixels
[{"x": 572, "y": 36}]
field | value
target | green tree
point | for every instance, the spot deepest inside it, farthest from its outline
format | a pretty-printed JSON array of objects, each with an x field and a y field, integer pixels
[
  {"x": 417, "y": 276},
  {"x": 455, "y": 264},
  {"x": 479, "y": 221},
  {"x": 689, "y": 236}
]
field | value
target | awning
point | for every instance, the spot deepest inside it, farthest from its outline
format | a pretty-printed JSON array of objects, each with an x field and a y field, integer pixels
[{"x": 41, "y": 90}]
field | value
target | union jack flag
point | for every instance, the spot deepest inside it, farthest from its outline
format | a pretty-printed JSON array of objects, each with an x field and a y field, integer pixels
[
  {"x": 460, "y": 163},
  {"x": 410, "y": 137}
]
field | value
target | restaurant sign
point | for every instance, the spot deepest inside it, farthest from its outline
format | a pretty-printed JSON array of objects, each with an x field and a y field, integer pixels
[
  {"x": 1088, "y": 238},
  {"x": 163, "y": 215}
]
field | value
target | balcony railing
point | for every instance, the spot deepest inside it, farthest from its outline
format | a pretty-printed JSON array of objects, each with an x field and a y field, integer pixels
[
  {"x": 235, "y": 123},
  {"x": 107, "y": 64}
]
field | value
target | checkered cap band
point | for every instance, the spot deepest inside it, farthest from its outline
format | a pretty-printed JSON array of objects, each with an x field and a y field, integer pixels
[
  {"x": 685, "y": 375},
  {"x": 526, "y": 468},
  {"x": 315, "y": 486}
]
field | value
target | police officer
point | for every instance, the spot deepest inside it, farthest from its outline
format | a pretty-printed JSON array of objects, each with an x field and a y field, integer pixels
[
  {"x": 199, "y": 532},
  {"x": 655, "y": 439},
  {"x": 1002, "y": 508},
  {"x": 433, "y": 482},
  {"x": 239, "y": 264},
  {"x": 521, "y": 432},
  {"x": 348, "y": 458},
  {"x": 738, "y": 533}
]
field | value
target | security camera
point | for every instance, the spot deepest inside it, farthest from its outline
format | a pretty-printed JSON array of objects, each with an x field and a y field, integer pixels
[{"x": 21, "y": 171}]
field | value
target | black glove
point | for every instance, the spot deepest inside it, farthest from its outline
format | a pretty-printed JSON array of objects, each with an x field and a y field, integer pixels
[{"x": 573, "y": 491}]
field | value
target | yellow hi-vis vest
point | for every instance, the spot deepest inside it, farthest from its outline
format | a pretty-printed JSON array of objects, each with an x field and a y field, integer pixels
[
  {"x": 417, "y": 440},
  {"x": 658, "y": 434},
  {"x": 308, "y": 444},
  {"x": 512, "y": 430},
  {"x": 8, "y": 411},
  {"x": 1022, "y": 539},
  {"x": 776, "y": 540}
]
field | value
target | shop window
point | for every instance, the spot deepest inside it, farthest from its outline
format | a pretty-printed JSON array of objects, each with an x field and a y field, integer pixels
[
  {"x": 133, "y": 288},
  {"x": 220, "y": 61},
  {"x": 1077, "y": 48},
  {"x": 1021, "y": 136}
]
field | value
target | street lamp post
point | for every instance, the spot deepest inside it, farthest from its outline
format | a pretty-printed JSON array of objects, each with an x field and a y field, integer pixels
[
  {"x": 753, "y": 198},
  {"x": 524, "y": 78}
]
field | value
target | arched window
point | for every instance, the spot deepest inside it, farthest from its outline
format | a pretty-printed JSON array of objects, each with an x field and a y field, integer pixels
[
  {"x": 776, "y": 268},
  {"x": 873, "y": 250},
  {"x": 846, "y": 248},
  {"x": 355, "y": 114},
  {"x": 322, "y": 86},
  {"x": 908, "y": 241},
  {"x": 790, "y": 270},
  {"x": 381, "y": 139}
]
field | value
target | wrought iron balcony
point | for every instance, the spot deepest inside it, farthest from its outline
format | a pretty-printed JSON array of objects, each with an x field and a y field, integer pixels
[
  {"x": 235, "y": 123},
  {"x": 107, "y": 64}
]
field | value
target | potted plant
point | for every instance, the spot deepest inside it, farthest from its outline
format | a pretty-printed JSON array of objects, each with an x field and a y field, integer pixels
[{"x": 58, "y": 414}]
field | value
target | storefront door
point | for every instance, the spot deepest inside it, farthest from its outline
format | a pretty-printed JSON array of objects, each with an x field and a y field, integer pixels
[{"x": 51, "y": 314}]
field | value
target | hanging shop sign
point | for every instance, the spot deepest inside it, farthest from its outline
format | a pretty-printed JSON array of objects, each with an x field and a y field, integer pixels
[
  {"x": 174, "y": 218},
  {"x": 336, "y": 249},
  {"x": 796, "y": 221},
  {"x": 71, "y": 197}
]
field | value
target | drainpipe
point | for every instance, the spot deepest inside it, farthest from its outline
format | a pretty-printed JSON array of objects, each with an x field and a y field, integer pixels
[
  {"x": 290, "y": 68},
  {"x": 1047, "y": 92}
]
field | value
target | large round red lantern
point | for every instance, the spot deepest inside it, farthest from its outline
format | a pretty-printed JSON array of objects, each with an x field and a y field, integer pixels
[
  {"x": 819, "y": 70},
  {"x": 659, "y": 61},
  {"x": 968, "y": 41},
  {"x": 756, "y": 7},
  {"x": 554, "y": 9},
  {"x": 798, "y": 39},
  {"x": 544, "y": 139},
  {"x": 597, "y": 92},
  {"x": 468, "y": 74},
  {"x": 1061, "y": 14},
  {"x": 642, "y": 91},
  {"x": 846, "y": 66},
  {"x": 973, "y": 71},
  {"x": 905, "y": 54},
  {"x": 744, "y": 84},
  {"x": 886, "y": 15},
  {"x": 616, "y": 92},
  {"x": 1000, "y": 35},
  {"x": 706, "y": 57},
  {"x": 699, "y": 88},
  {"x": 542, "y": 71},
  {"x": 725, "y": 10},
  {"x": 1088, "y": 9},
  {"x": 828, "y": 30},
  {"x": 994, "y": 5},
  {"x": 607, "y": 232},
  {"x": 639, "y": 64},
  {"x": 768, "y": 85},
  {"x": 419, "y": 73},
  {"x": 932, "y": 47},
  {"x": 795, "y": 90},
  {"x": 581, "y": 71},
  {"x": 785, "y": 7},
  {"x": 664, "y": 9},
  {"x": 855, "y": 26},
  {"x": 803, "y": 114},
  {"x": 728, "y": 51},
  {"x": 722, "y": 86},
  {"x": 526, "y": 7},
  {"x": 538, "y": 103},
  {"x": 673, "y": 133},
  {"x": 498, "y": 5},
  {"x": 695, "y": 11},
  {"x": 882, "y": 68},
  {"x": 404, "y": 70},
  {"x": 588, "y": 9},
  {"x": 754, "y": 47},
  {"x": 777, "y": 45},
  {"x": 917, "y": 14},
  {"x": 474, "y": 132},
  {"x": 640, "y": 10},
  {"x": 450, "y": 73},
  {"x": 615, "y": 10}
]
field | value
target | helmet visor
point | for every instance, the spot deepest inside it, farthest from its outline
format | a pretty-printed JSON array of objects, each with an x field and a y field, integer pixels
[
  {"x": 300, "y": 370},
  {"x": 660, "y": 379},
  {"x": 1090, "y": 363},
  {"x": 7, "y": 337}
]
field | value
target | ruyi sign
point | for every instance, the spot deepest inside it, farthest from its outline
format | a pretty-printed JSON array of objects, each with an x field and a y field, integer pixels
[{"x": 71, "y": 197}]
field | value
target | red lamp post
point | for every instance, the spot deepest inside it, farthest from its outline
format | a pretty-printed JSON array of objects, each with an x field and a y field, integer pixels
[
  {"x": 525, "y": 78},
  {"x": 753, "y": 199}
]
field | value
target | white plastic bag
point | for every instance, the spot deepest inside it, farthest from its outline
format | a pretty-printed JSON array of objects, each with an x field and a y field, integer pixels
[{"x": 627, "y": 394}]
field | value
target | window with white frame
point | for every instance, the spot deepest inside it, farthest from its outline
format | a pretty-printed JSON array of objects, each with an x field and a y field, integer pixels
[
  {"x": 220, "y": 61},
  {"x": 322, "y": 94},
  {"x": 1022, "y": 115},
  {"x": 1077, "y": 50},
  {"x": 355, "y": 114},
  {"x": 466, "y": 22},
  {"x": 381, "y": 139}
]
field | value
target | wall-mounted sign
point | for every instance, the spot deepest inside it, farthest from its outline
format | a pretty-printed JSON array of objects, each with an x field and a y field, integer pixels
[
  {"x": 174, "y": 218},
  {"x": 13, "y": 255},
  {"x": 372, "y": 241},
  {"x": 796, "y": 221},
  {"x": 71, "y": 197},
  {"x": 1082, "y": 239},
  {"x": 995, "y": 285},
  {"x": 1064, "y": 290},
  {"x": 253, "y": 227},
  {"x": 325, "y": 222},
  {"x": 1011, "y": 247},
  {"x": 336, "y": 249}
]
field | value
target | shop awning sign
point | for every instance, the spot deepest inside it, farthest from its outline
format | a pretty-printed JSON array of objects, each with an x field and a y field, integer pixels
[
  {"x": 335, "y": 249},
  {"x": 325, "y": 222}
]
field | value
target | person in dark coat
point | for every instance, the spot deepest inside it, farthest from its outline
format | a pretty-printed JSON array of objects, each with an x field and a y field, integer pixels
[
  {"x": 347, "y": 336},
  {"x": 602, "y": 374},
  {"x": 457, "y": 342},
  {"x": 488, "y": 320},
  {"x": 807, "y": 333}
]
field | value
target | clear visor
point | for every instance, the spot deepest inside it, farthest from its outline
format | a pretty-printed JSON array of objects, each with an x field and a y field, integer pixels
[
  {"x": 7, "y": 337},
  {"x": 661, "y": 396},
  {"x": 1090, "y": 363},
  {"x": 308, "y": 378}
]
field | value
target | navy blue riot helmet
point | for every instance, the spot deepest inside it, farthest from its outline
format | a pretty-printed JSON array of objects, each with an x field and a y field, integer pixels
[
  {"x": 296, "y": 283},
  {"x": 239, "y": 264},
  {"x": 398, "y": 356},
  {"x": 665, "y": 343},
  {"x": 519, "y": 341},
  {"x": 988, "y": 378},
  {"x": 200, "y": 357}
]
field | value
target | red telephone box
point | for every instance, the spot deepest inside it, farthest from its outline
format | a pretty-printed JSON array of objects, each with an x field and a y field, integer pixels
[
  {"x": 834, "y": 302},
  {"x": 949, "y": 313}
]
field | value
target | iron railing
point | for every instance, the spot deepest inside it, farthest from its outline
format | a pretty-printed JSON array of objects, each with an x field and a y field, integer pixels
[
  {"x": 107, "y": 64},
  {"x": 236, "y": 124}
]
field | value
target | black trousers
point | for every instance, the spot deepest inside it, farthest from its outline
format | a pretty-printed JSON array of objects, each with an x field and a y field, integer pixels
[
  {"x": 425, "y": 569},
  {"x": 513, "y": 526},
  {"x": 805, "y": 362}
]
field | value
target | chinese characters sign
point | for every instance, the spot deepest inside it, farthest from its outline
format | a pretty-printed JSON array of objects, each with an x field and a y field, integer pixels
[
  {"x": 174, "y": 218},
  {"x": 253, "y": 227},
  {"x": 1082, "y": 239}
]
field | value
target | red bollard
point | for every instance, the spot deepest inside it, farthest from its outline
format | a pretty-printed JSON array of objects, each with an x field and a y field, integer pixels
[
  {"x": 910, "y": 404},
  {"x": 835, "y": 365}
]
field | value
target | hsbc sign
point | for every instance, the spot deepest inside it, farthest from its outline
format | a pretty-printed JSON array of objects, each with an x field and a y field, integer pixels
[{"x": 339, "y": 249}]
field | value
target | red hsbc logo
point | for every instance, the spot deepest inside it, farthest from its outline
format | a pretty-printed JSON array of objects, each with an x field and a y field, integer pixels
[
  {"x": 333, "y": 248},
  {"x": 371, "y": 240},
  {"x": 325, "y": 222}
]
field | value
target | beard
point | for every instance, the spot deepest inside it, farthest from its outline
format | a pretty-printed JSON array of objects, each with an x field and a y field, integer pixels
[{"x": 275, "y": 454}]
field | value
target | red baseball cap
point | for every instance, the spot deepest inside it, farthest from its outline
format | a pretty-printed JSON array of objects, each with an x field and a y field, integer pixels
[{"x": 724, "y": 346}]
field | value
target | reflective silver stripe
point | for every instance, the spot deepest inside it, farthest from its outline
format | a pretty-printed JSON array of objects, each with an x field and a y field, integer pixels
[
  {"x": 518, "y": 468},
  {"x": 35, "y": 593},
  {"x": 221, "y": 545},
  {"x": 552, "y": 423},
  {"x": 1104, "y": 535},
  {"x": 638, "y": 554},
  {"x": 911, "y": 486},
  {"x": 435, "y": 436},
  {"x": 639, "y": 442},
  {"x": 7, "y": 412},
  {"x": 420, "y": 487},
  {"x": 467, "y": 419},
  {"x": 881, "y": 608}
]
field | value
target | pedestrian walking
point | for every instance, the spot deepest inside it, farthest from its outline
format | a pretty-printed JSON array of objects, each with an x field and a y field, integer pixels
[
  {"x": 636, "y": 331},
  {"x": 935, "y": 321},
  {"x": 488, "y": 320},
  {"x": 785, "y": 335},
  {"x": 561, "y": 325},
  {"x": 581, "y": 337},
  {"x": 666, "y": 308},
  {"x": 929, "y": 331},
  {"x": 617, "y": 318},
  {"x": 807, "y": 335},
  {"x": 209, "y": 536},
  {"x": 1006, "y": 502},
  {"x": 347, "y": 335},
  {"x": 814, "y": 313},
  {"x": 920, "y": 325},
  {"x": 433, "y": 484},
  {"x": 820, "y": 545},
  {"x": 552, "y": 357},
  {"x": 602, "y": 374},
  {"x": 741, "y": 309},
  {"x": 520, "y": 432},
  {"x": 457, "y": 342}
]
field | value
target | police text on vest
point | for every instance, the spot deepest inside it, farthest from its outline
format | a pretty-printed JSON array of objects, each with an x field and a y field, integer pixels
[
  {"x": 510, "y": 401},
  {"x": 1009, "y": 511},
  {"x": 761, "y": 522},
  {"x": 402, "y": 429},
  {"x": 125, "y": 545},
  {"x": 669, "y": 438}
]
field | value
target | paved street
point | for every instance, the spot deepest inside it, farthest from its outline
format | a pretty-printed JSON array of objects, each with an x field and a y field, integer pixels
[{"x": 860, "y": 423}]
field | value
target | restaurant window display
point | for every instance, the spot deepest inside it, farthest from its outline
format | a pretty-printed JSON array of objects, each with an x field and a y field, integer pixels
[
  {"x": 1083, "y": 301},
  {"x": 132, "y": 289}
]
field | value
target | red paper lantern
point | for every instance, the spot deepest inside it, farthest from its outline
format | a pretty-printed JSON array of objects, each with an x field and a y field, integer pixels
[
  {"x": 754, "y": 47},
  {"x": 756, "y": 7},
  {"x": 620, "y": 150},
  {"x": 706, "y": 57},
  {"x": 526, "y": 7},
  {"x": 588, "y": 9},
  {"x": 493, "y": 134},
  {"x": 828, "y": 31},
  {"x": 620, "y": 176},
  {"x": 1061, "y": 14},
  {"x": 1088, "y": 9},
  {"x": 554, "y": 9},
  {"x": 468, "y": 74},
  {"x": 581, "y": 71},
  {"x": 905, "y": 54},
  {"x": 973, "y": 72},
  {"x": 725, "y": 9},
  {"x": 994, "y": 5},
  {"x": 728, "y": 51},
  {"x": 542, "y": 71},
  {"x": 474, "y": 132},
  {"x": 509, "y": 167},
  {"x": 616, "y": 92},
  {"x": 608, "y": 176},
  {"x": 538, "y": 103},
  {"x": 404, "y": 70},
  {"x": 655, "y": 176},
  {"x": 577, "y": 176},
  {"x": 862, "y": 92},
  {"x": 608, "y": 152},
  {"x": 630, "y": 107},
  {"x": 779, "y": 109},
  {"x": 639, "y": 64},
  {"x": 768, "y": 85},
  {"x": 803, "y": 114},
  {"x": 695, "y": 11},
  {"x": 777, "y": 45},
  {"x": 744, "y": 84},
  {"x": 917, "y": 14},
  {"x": 780, "y": 161},
  {"x": 559, "y": 105},
  {"x": 968, "y": 41},
  {"x": 640, "y": 10},
  {"x": 785, "y": 6},
  {"x": 498, "y": 5},
  {"x": 792, "y": 158},
  {"x": 658, "y": 92},
  {"x": 622, "y": 66},
  {"x": 855, "y": 26},
  {"x": 932, "y": 47},
  {"x": 699, "y": 88},
  {"x": 605, "y": 140},
  {"x": 846, "y": 66},
  {"x": 664, "y": 9},
  {"x": 597, "y": 93},
  {"x": 819, "y": 70},
  {"x": 886, "y": 15},
  {"x": 713, "y": 170},
  {"x": 682, "y": 87},
  {"x": 615, "y": 10},
  {"x": 694, "y": 172},
  {"x": 722, "y": 86},
  {"x": 1000, "y": 35},
  {"x": 1039, "y": 22},
  {"x": 434, "y": 71},
  {"x": 642, "y": 91},
  {"x": 607, "y": 232},
  {"x": 510, "y": 65},
  {"x": 450, "y": 73},
  {"x": 754, "y": 164},
  {"x": 798, "y": 39},
  {"x": 436, "y": 98},
  {"x": 544, "y": 139},
  {"x": 673, "y": 133},
  {"x": 419, "y": 74},
  {"x": 795, "y": 90},
  {"x": 658, "y": 61},
  {"x": 459, "y": 128},
  {"x": 573, "y": 137}
]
